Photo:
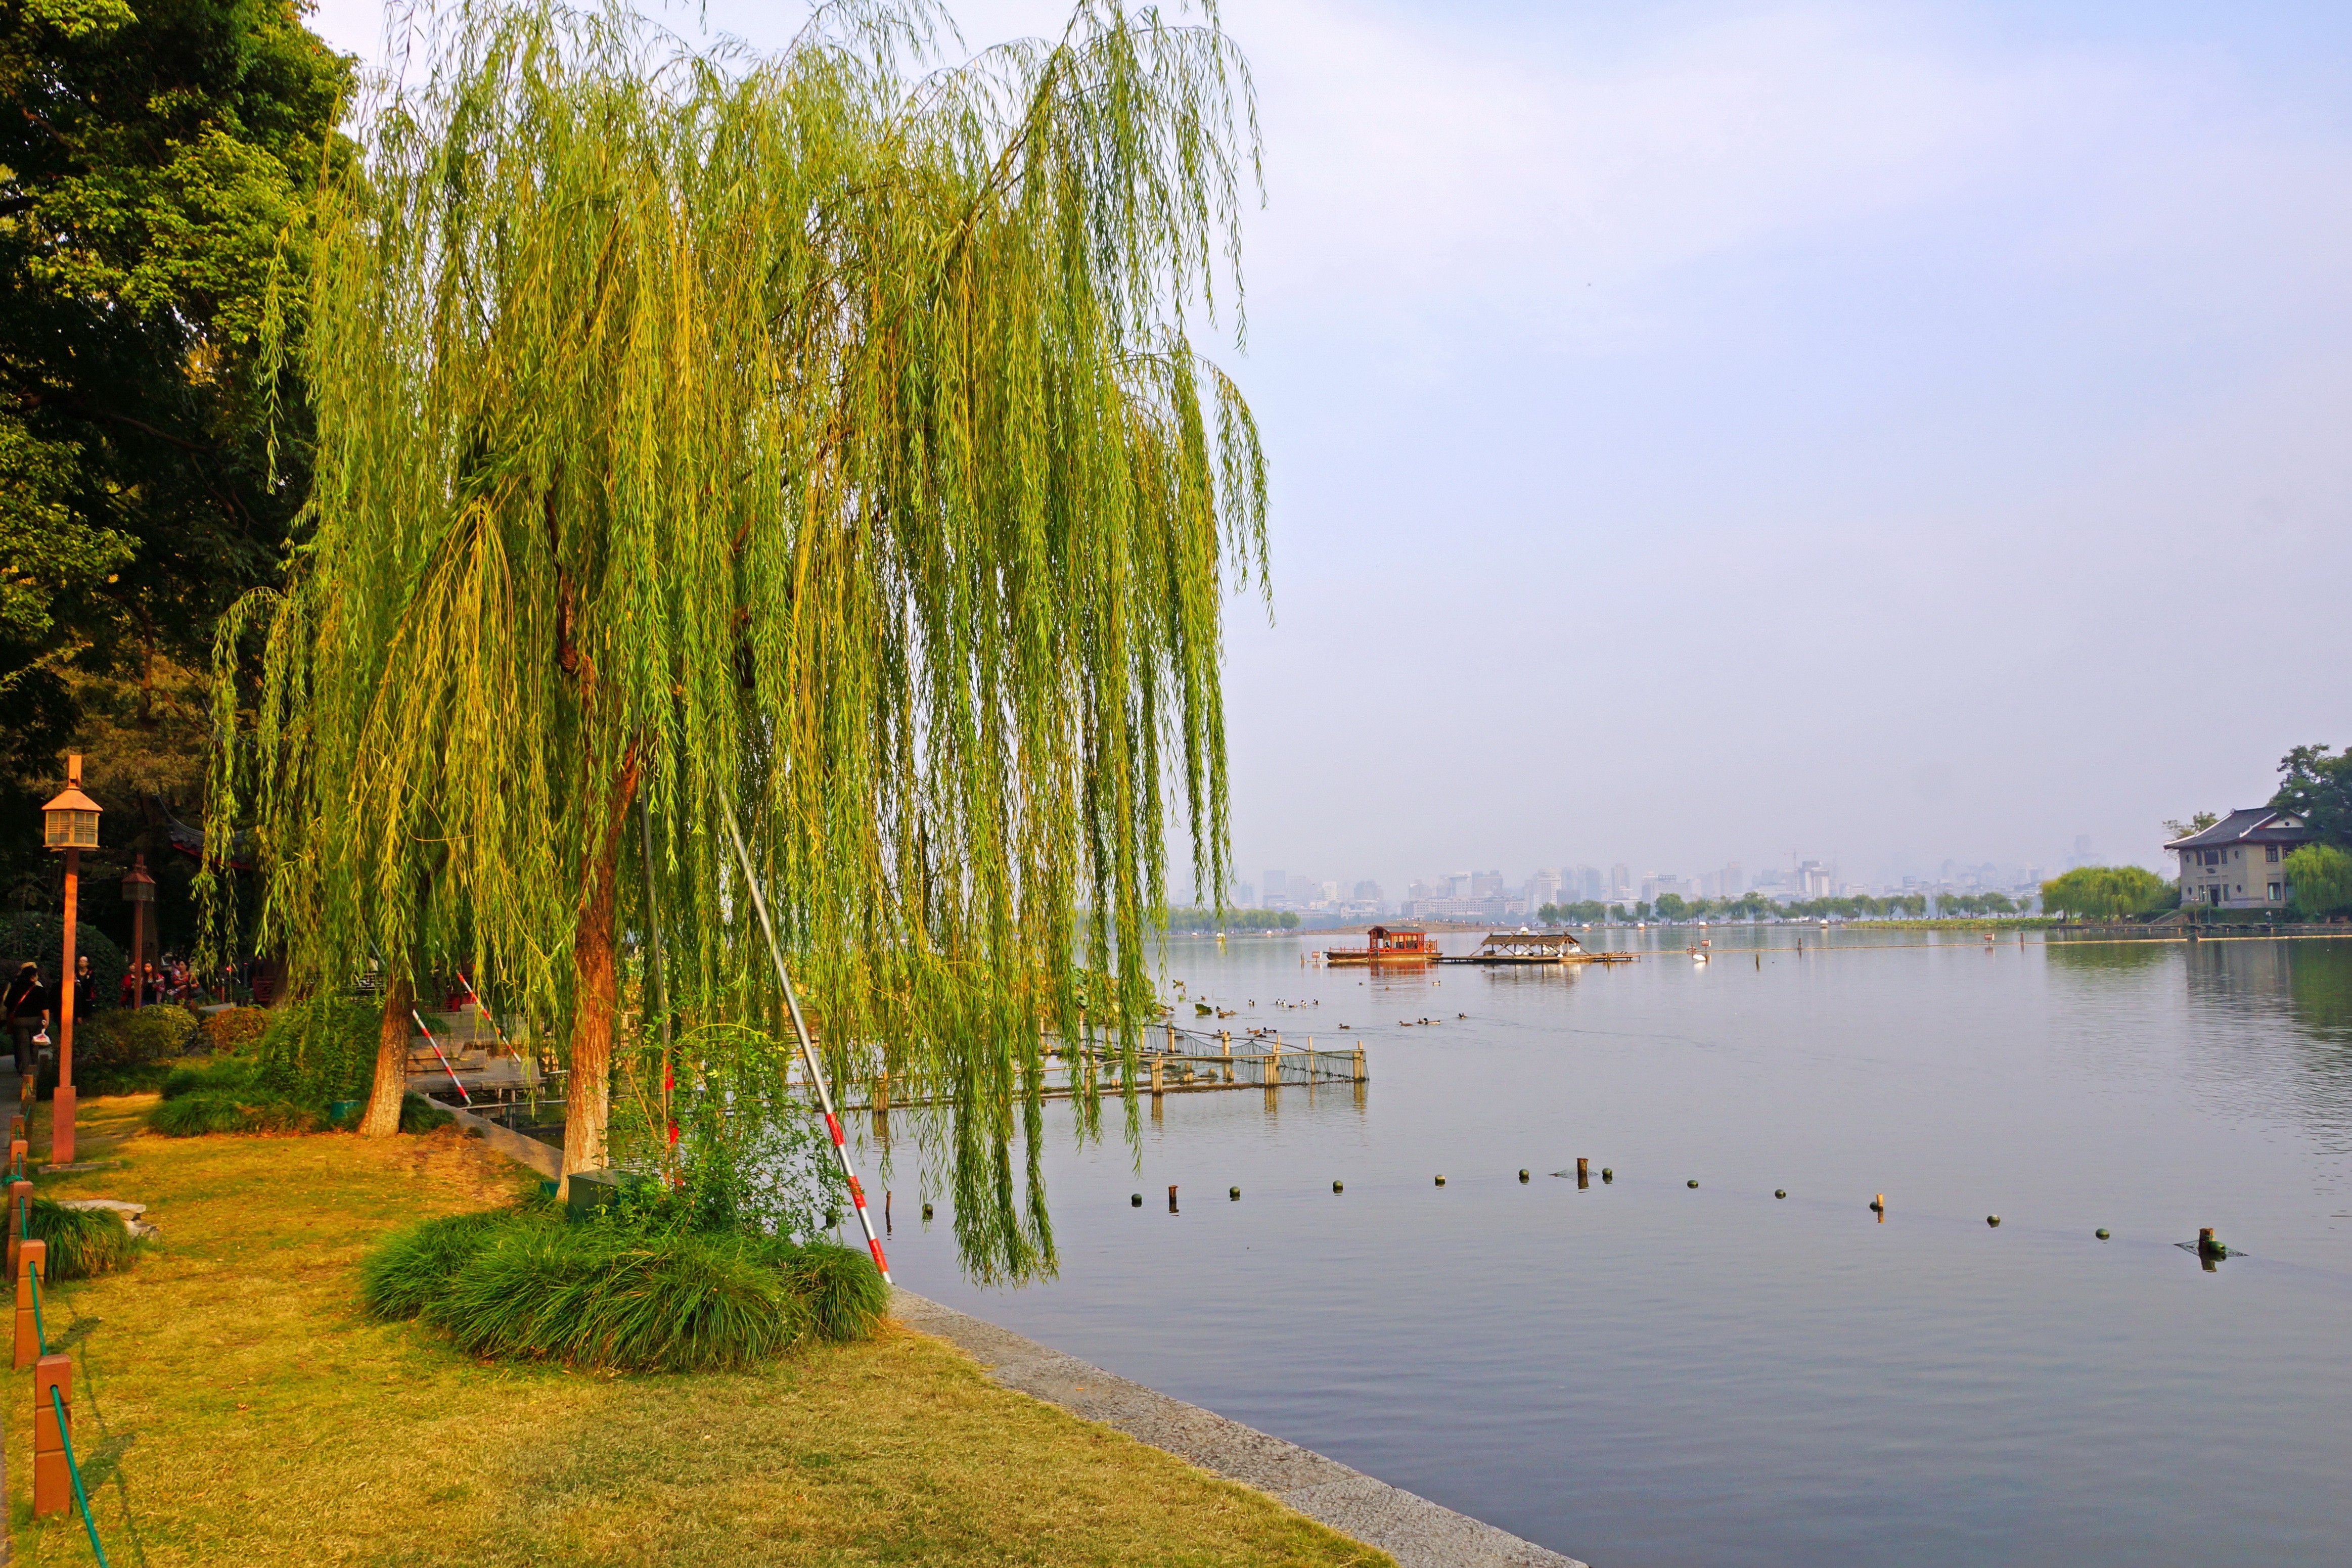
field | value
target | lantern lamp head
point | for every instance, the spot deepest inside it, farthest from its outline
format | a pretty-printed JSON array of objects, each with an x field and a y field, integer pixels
[
  {"x": 139, "y": 888},
  {"x": 70, "y": 821}
]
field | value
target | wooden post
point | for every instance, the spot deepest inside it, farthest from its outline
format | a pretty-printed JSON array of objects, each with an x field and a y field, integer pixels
[
  {"x": 1225, "y": 1044},
  {"x": 35, "y": 1254},
  {"x": 1155, "y": 1065},
  {"x": 1583, "y": 1167},
  {"x": 19, "y": 1151},
  {"x": 1360, "y": 1064},
  {"x": 1171, "y": 1039},
  {"x": 52, "y": 1480},
  {"x": 20, "y": 1198}
]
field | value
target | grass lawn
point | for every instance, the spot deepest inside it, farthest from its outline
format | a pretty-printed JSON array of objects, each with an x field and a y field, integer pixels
[{"x": 233, "y": 1405}]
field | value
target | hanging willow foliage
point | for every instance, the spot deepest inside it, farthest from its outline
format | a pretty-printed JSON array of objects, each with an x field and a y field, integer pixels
[{"x": 801, "y": 433}]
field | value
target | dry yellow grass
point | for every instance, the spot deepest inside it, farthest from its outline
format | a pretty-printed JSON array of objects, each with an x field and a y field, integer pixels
[{"x": 233, "y": 1405}]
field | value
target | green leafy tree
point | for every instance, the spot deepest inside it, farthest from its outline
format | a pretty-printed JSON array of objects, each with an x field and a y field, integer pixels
[
  {"x": 1670, "y": 907},
  {"x": 154, "y": 162},
  {"x": 2316, "y": 786},
  {"x": 2197, "y": 823},
  {"x": 2106, "y": 892},
  {"x": 797, "y": 438},
  {"x": 2319, "y": 880}
]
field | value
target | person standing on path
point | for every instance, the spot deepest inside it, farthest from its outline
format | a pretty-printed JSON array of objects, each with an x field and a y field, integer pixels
[{"x": 26, "y": 1008}]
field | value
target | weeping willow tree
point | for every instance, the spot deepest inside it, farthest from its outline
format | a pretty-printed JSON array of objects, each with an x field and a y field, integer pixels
[{"x": 810, "y": 436}]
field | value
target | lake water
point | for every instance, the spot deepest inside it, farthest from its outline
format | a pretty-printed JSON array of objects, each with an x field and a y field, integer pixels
[{"x": 1639, "y": 1374}]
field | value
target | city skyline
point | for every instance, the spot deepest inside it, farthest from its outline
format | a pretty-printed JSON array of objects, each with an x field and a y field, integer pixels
[{"x": 1484, "y": 892}]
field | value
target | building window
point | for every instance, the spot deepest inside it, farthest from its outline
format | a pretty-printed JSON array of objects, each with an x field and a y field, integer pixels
[
  {"x": 2270, "y": 853},
  {"x": 2275, "y": 893}
]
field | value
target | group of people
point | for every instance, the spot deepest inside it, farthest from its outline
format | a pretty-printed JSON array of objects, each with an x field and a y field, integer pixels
[
  {"x": 28, "y": 1005},
  {"x": 172, "y": 980}
]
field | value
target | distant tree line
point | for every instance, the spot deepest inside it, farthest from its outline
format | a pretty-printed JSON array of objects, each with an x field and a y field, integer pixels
[
  {"x": 1196, "y": 919},
  {"x": 1673, "y": 906}
]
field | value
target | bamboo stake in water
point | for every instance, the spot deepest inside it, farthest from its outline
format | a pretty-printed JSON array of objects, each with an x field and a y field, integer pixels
[{"x": 808, "y": 1051}]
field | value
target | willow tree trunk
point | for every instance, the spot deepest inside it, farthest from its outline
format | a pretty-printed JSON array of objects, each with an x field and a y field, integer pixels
[
  {"x": 595, "y": 989},
  {"x": 381, "y": 1119}
]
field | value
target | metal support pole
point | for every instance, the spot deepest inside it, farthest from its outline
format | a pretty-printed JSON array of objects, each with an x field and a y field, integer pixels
[
  {"x": 808, "y": 1051},
  {"x": 61, "y": 1098}
]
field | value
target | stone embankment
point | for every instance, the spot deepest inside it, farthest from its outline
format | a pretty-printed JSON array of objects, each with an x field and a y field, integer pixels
[{"x": 1414, "y": 1531}]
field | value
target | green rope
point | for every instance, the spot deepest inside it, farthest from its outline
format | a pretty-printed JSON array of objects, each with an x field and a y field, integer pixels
[
  {"x": 40, "y": 1334},
  {"x": 57, "y": 1402}
]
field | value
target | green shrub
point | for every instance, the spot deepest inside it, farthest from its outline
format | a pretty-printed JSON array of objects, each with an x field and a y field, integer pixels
[
  {"x": 233, "y": 1078},
  {"x": 233, "y": 1029},
  {"x": 124, "y": 1050},
  {"x": 194, "y": 1115},
  {"x": 602, "y": 1295},
  {"x": 419, "y": 1114},
  {"x": 316, "y": 1052},
  {"x": 81, "y": 1241}
]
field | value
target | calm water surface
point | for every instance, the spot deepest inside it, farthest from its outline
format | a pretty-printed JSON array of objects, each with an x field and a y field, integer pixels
[{"x": 1643, "y": 1375}]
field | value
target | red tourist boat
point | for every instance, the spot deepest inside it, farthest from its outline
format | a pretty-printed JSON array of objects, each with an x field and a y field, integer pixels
[{"x": 1387, "y": 947}]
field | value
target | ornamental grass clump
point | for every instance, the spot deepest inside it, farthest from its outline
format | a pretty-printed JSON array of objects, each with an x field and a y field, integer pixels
[
  {"x": 616, "y": 1291},
  {"x": 81, "y": 1241},
  {"x": 226, "y": 1097},
  {"x": 417, "y": 1266},
  {"x": 601, "y": 1295}
]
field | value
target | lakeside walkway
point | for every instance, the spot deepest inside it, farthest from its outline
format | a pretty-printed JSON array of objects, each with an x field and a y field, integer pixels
[{"x": 1415, "y": 1532}]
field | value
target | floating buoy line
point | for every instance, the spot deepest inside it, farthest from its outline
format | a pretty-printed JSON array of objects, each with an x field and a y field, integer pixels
[{"x": 2207, "y": 1247}]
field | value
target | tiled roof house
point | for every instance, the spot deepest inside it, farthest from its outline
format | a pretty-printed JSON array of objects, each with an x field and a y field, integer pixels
[{"x": 2239, "y": 862}]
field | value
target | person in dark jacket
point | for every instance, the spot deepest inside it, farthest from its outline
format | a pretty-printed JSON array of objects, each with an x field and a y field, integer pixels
[{"x": 26, "y": 1008}]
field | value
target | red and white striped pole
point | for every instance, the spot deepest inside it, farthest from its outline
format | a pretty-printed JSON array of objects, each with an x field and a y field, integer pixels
[
  {"x": 808, "y": 1052},
  {"x": 419, "y": 1019}
]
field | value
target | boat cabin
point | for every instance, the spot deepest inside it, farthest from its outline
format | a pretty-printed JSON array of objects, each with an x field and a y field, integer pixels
[{"x": 1387, "y": 946}]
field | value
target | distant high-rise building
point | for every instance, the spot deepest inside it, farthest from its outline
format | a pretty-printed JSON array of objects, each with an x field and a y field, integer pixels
[
  {"x": 1815, "y": 880},
  {"x": 1543, "y": 887},
  {"x": 1244, "y": 895},
  {"x": 1734, "y": 877},
  {"x": 1276, "y": 889},
  {"x": 1589, "y": 883},
  {"x": 1486, "y": 885},
  {"x": 1368, "y": 893},
  {"x": 1620, "y": 880}
]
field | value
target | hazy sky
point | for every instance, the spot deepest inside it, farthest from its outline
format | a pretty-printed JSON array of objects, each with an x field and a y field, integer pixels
[{"x": 1704, "y": 432}]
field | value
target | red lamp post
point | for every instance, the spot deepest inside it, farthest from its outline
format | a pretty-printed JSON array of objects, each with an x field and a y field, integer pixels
[
  {"x": 70, "y": 823},
  {"x": 139, "y": 892}
]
